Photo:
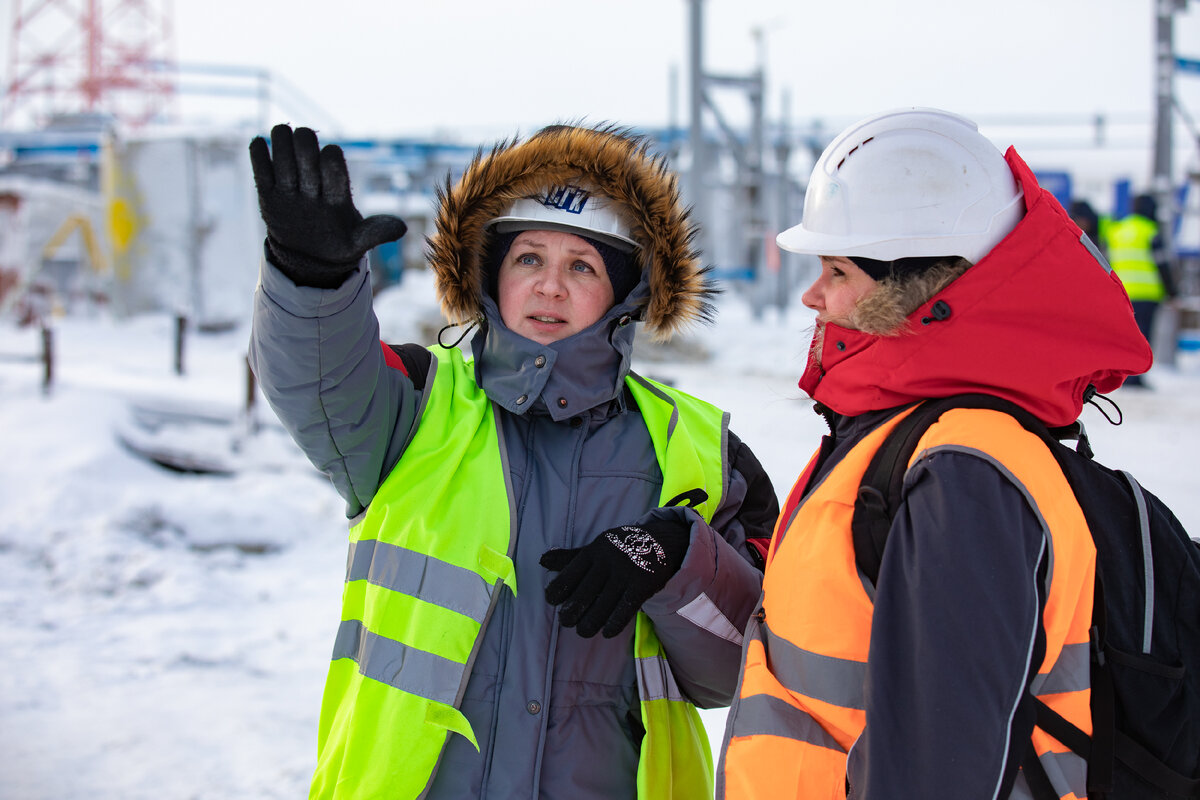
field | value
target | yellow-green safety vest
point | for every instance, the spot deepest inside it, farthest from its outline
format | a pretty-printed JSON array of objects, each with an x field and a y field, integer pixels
[
  {"x": 1131, "y": 255},
  {"x": 423, "y": 575}
]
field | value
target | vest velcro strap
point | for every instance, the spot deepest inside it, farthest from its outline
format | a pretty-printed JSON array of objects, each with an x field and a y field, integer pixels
[
  {"x": 499, "y": 565},
  {"x": 398, "y": 665},
  {"x": 1062, "y": 729},
  {"x": 451, "y": 719}
]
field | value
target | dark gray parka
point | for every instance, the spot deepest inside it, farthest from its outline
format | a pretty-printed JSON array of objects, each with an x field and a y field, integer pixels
[{"x": 555, "y": 714}]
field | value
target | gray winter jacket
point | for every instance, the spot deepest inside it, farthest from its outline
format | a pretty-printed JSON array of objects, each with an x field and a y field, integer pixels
[{"x": 555, "y": 714}]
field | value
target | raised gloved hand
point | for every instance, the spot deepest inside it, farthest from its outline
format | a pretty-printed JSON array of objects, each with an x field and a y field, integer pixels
[
  {"x": 315, "y": 235},
  {"x": 602, "y": 585}
]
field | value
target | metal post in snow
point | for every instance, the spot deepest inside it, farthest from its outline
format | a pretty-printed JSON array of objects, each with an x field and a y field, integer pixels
[
  {"x": 180, "y": 331},
  {"x": 47, "y": 358},
  {"x": 251, "y": 399}
]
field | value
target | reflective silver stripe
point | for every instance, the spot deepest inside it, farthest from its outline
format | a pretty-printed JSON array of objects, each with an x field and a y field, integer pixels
[
  {"x": 1095, "y": 251},
  {"x": 398, "y": 665},
  {"x": 1147, "y": 560},
  {"x": 703, "y": 613},
  {"x": 1067, "y": 773},
  {"x": 837, "y": 681},
  {"x": 420, "y": 576},
  {"x": 1071, "y": 673},
  {"x": 655, "y": 680},
  {"x": 1020, "y": 790},
  {"x": 764, "y": 715}
]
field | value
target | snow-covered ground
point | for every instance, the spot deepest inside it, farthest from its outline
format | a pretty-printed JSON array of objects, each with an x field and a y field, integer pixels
[{"x": 165, "y": 635}]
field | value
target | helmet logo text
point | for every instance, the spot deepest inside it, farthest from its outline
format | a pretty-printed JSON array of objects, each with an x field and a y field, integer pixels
[{"x": 571, "y": 199}]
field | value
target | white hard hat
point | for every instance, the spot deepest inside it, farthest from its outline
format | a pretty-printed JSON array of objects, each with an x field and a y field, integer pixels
[
  {"x": 572, "y": 209},
  {"x": 911, "y": 182}
]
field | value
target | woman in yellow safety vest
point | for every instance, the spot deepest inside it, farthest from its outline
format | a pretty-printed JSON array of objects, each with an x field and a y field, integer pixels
[
  {"x": 508, "y": 507},
  {"x": 945, "y": 269}
]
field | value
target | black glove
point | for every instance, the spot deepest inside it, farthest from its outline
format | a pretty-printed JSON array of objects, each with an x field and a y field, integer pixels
[
  {"x": 605, "y": 583},
  {"x": 315, "y": 235}
]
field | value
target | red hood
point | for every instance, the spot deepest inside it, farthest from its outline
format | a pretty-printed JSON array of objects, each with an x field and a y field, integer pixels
[{"x": 1035, "y": 321}]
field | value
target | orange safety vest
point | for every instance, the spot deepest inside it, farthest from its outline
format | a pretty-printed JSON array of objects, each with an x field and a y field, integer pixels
[{"x": 799, "y": 711}]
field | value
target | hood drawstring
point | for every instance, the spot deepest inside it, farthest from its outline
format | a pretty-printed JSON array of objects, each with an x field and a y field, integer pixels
[
  {"x": 1090, "y": 396},
  {"x": 466, "y": 329},
  {"x": 1076, "y": 429}
]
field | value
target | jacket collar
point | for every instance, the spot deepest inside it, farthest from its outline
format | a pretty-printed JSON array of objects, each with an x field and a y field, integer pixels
[{"x": 562, "y": 379}]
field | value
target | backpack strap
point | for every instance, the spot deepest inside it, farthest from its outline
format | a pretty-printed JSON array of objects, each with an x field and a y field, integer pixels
[
  {"x": 879, "y": 494},
  {"x": 1152, "y": 769}
]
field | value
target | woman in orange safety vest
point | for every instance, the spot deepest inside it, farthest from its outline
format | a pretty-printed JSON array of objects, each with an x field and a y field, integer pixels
[{"x": 944, "y": 269}]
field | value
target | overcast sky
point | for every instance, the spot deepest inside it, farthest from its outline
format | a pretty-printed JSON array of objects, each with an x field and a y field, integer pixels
[
  {"x": 397, "y": 66},
  {"x": 478, "y": 70}
]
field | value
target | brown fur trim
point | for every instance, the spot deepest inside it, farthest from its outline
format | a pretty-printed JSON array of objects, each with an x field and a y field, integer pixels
[
  {"x": 608, "y": 160},
  {"x": 884, "y": 311}
]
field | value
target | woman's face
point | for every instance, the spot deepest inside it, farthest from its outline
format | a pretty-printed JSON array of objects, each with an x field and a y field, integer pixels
[
  {"x": 837, "y": 290},
  {"x": 552, "y": 285}
]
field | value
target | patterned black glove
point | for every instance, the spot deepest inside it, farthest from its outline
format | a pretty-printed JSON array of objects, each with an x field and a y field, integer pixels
[
  {"x": 315, "y": 235},
  {"x": 604, "y": 584}
]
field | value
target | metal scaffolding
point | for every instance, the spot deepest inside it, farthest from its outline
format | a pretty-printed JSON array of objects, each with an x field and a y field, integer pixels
[{"x": 89, "y": 57}]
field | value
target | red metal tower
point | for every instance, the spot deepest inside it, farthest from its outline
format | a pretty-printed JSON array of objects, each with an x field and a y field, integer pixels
[{"x": 90, "y": 56}]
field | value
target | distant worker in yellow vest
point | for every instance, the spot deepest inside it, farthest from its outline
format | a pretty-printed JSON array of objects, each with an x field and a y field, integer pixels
[
  {"x": 938, "y": 254},
  {"x": 1136, "y": 251},
  {"x": 507, "y": 508}
]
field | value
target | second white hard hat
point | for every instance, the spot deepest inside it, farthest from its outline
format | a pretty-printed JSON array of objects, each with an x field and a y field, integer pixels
[{"x": 911, "y": 182}]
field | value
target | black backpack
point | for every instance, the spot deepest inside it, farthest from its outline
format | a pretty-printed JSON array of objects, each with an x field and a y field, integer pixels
[{"x": 1145, "y": 665}]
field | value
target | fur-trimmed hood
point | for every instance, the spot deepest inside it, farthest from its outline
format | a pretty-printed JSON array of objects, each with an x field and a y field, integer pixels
[{"x": 607, "y": 160}]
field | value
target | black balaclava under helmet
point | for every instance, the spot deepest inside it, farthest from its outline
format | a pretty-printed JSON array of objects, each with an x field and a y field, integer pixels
[
  {"x": 899, "y": 268},
  {"x": 622, "y": 267}
]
